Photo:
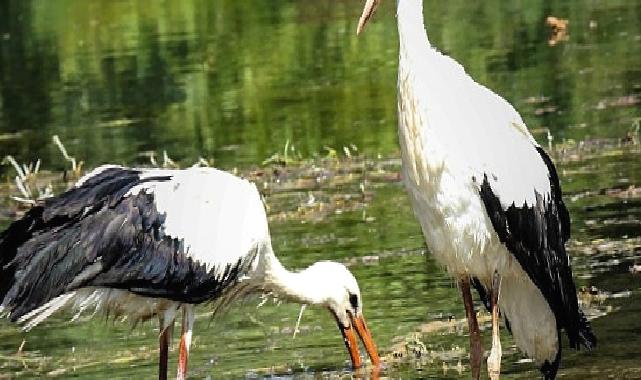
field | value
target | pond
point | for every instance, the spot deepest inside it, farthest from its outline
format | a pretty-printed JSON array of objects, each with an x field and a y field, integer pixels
[{"x": 251, "y": 86}]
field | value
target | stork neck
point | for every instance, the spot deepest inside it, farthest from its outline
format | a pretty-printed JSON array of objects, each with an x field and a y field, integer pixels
[
  {"x": 411, "y": 28},
  {"x": 299, "y": 287}
]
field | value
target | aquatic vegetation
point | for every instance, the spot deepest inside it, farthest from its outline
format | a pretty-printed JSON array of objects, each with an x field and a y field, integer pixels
[{"x": 315, "y": 190}]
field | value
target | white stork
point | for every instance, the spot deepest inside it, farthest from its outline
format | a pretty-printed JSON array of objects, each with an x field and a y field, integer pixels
[
  {"x": 151, "y": 242},
  {"x": 487, "y": 197}
]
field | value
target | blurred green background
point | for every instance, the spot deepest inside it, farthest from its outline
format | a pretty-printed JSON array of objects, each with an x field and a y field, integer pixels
[{"x": 234, "y": 80}]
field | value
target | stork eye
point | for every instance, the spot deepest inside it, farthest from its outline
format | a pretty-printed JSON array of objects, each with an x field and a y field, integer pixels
[{"x": 353, "y": 300}]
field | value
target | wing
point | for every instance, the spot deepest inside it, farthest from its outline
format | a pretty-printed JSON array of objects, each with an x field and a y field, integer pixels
[
  {"x": 477, "y": 134},
  {"x": 535, "y": 233},
  {"x": 55, "y": 213},
  {"x": 480, "y": 135},
  {"x": 110, "y": 232},
  {"x": 475, "y": 130}
]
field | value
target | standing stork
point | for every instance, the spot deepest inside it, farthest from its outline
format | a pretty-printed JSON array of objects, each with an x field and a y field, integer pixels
[
  {"x": 488, "y": 199},
  {"x": 147, "y": 243}
]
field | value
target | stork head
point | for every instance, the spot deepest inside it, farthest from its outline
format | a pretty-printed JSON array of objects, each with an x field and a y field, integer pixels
[
  {"x": 337, "y": 289},
  {"x": 368, "y": 12}
]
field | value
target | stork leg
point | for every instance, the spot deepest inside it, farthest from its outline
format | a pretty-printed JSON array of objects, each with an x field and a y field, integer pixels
[
  {"x": 166, "y": 329},
  {"x": 185, "y": 341},
  {"x": 494, "y": 360},
  {"x": 476, "y": 348}
]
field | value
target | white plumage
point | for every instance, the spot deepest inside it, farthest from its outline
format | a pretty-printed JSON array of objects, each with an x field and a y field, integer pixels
[
  {"x": 152, "y": 242},
  {"x": 219, "y": 216},
  {"x": 453, "y": 131},
  {"x": 486, "y": 195}
]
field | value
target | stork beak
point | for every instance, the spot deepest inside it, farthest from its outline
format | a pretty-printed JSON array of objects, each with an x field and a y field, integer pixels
[
  {"x": 358, "y": 326},
  {"x": 368, "y": 12},
  {"x": 366, "y": 338}
]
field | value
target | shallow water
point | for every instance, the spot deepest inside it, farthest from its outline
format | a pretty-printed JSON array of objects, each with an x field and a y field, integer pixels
[{"x": 238, "y": 82}]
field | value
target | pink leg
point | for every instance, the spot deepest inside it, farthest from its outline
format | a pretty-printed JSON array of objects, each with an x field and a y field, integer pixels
[
  {"x": 185, "y": 341},
  {"x": 476, "y": 348},
  {"x": 494, "y": 360}
]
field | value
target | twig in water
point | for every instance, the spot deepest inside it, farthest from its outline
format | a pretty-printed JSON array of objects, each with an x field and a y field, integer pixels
[
  {"x": 201, "y": 163},
  {"x": 264, "y": 299},
  {"x": 300, "y": 316},
  {"x": 152, "y": 159},
  {"x": 21, "y": 347},
  {"x": 167, "y": 162},
  {"x": 23, "y": 187},
  {"x": 75, "y": 167},
  {"x": 15, "y": 165},
  {"x": 347, "y": 152},
  {"x": 26, "y": 201},
  {"x": 25, "y": 173},
  {"x": 63, "y": 150},
  {"x": 21, "y": 181}
]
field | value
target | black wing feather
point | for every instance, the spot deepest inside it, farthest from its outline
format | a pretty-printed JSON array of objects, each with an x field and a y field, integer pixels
[
  {"x": 93, "y": 235},
  {"x": 536, "y": 235},
  {"x": 55, "y": 213}
]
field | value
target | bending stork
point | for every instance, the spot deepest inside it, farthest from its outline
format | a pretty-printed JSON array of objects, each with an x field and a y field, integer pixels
[
  {"x": 487, "y": 197},
  {"x": 148, "y": 243}
]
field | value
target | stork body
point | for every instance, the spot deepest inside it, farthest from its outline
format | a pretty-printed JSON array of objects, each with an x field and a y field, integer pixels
[
  {"x": 487, "y": 197},
  {"x": 150, "y": 243},
  {"x": 460, "y": 142}
]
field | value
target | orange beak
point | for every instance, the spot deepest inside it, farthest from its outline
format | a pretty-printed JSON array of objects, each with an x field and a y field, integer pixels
[
  {"x": 358, "y": 326},
  {"x": 368, "y": 12}
]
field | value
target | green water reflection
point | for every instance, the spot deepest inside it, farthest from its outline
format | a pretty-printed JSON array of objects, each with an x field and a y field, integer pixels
[{"x": 235, "y": 80}]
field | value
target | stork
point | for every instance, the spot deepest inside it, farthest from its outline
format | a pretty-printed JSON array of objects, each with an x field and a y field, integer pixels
[
  {"x": 488, "y": 200},
  {"x": 151, "y": 243}
]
